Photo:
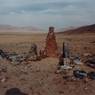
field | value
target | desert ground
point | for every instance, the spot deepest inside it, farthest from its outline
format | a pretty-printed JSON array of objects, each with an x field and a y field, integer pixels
[{"x": 40, "y": 77}]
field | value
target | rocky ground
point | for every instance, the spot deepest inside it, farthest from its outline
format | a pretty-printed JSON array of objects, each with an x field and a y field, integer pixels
[{"x": 40, "y": 78}]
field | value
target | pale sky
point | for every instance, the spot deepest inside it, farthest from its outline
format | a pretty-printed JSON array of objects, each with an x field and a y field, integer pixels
[{"x": 45, "y": 13}]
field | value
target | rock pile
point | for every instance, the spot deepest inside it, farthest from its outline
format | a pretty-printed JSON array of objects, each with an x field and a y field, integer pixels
[
  {"x": 16, "y": 58},
  {"x": 73, "y": 67},
  {"x": 51, "y": 45}
]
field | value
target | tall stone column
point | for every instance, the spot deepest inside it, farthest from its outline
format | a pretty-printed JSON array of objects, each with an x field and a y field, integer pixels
[{"x": 51, "y": 44}]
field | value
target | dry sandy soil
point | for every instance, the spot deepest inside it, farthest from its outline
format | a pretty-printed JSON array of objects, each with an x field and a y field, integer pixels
[{"x": 39, "y": 78}]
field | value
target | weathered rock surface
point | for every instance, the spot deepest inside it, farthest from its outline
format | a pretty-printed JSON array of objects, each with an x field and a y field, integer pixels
[{"x": 51, "y": 45}]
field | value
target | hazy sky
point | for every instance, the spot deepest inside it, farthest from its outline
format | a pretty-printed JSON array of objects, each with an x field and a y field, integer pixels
[{"x": 43, "y": 13}]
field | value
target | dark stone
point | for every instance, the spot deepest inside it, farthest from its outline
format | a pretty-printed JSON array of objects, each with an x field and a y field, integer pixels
[
  {"x": 14, "y": 91},
  {"x": 91, "y": 75},
  {"x": 3, "y": 54},
  {"x": 79, "y": 74},
  {"x": 91, "y": 63},
  {"x": 61, "y": 60}
]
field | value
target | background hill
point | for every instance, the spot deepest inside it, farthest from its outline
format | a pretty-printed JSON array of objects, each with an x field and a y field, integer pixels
[{"x": 80, "y": 30}]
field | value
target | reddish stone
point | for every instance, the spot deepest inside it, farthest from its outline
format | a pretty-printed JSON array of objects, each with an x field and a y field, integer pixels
[{"x": 51, "y": 45}]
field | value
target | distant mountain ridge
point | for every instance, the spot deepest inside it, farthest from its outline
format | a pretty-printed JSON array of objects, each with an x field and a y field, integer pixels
[
  {"x": 9, "y": 28},
  {"x": 81, "y": 30}
]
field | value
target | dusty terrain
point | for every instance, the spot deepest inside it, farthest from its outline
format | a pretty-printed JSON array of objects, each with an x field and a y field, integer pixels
[{"x": 39, "y": 78}]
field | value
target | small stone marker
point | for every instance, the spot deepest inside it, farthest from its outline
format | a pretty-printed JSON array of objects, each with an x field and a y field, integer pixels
[{"x": 33, "y": 52}]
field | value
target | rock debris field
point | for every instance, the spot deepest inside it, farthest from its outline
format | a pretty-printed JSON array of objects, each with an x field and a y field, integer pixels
[{"x": 40, "y": 77}]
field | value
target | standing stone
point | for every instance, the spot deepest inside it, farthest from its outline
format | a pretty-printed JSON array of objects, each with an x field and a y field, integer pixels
[
  {"x": 33, "y": 49},
  {"x": 33, "y": 53},
  {"x": 51, "y": 45}
]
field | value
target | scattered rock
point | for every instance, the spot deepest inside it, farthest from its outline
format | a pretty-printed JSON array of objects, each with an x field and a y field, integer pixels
[
  {"x": 91, "y": 75},
  {"x": 87, "y": 54},
  {"x": 3, "y": 79},
  {"x": 79, "y": 74},
  {"x": 90, "y": 62},
  {"x": 16, "y": 59},
  {"x": 65, "y": 67},
  {"x": 77, "y": 61},
  {"x": 3, "y": 55}
]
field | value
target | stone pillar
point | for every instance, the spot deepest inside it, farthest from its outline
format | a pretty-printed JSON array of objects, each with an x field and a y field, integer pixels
[{"x": 51, "y": 45}]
